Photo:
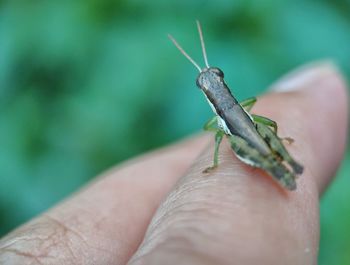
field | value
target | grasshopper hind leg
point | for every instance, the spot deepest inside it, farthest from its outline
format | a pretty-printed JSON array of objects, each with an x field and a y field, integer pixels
[
  {"x": 272, "y": 124},
  {"x": 269, "y": 163},
  {"x": 276, "y": 145}
]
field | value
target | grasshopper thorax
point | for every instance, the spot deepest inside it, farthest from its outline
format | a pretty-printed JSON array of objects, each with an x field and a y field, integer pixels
[{"x": 211, "y": 81}]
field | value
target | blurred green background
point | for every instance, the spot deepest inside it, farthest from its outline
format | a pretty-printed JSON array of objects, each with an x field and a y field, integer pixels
[{"x": 86, "y": 84}]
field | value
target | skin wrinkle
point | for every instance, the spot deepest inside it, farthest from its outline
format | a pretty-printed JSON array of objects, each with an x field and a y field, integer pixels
[
  {"x": 25, "y": 255},
  {"x": 56, "y": 240},
  {"x": 173, "y": 198},
  {"x": 193, "y": 230},
  {"x": 122, "y": 233},
  {"x": 65, "y": 237},
  {"x": 70, "y": 235},
  {"x": 179, "y": 212},
  {"x": 78, "y": 221},
  {"x": 176, "y": 251}
]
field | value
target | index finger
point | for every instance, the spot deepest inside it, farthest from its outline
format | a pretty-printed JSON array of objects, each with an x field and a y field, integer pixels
[{"x": 105, "y": 222}]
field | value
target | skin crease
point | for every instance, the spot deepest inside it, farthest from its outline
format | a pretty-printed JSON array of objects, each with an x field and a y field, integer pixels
[{"x": 234, "y": 215}]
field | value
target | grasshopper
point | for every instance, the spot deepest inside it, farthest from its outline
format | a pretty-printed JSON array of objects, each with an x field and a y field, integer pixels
[{"x": 253, "y": 138}]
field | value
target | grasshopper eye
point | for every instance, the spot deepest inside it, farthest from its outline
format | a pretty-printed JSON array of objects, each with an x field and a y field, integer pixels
[{"x": 217, "y": 71}]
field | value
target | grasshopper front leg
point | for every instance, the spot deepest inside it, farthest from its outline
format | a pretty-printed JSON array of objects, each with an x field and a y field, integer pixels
[{"x": 211, "y": 125}]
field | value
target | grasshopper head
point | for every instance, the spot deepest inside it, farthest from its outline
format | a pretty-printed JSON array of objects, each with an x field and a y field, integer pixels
[
  {"x": 211, "y": 81},
  {"x": 209, "y": 78}
]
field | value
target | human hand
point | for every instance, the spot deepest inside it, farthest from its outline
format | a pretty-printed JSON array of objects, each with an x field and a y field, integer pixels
[{"x": 234, "y": 215}]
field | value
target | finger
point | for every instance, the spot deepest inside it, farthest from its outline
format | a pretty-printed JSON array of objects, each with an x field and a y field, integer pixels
[
  {"x": 105, "y": 222},
  {"x": 238, "y": 215}
]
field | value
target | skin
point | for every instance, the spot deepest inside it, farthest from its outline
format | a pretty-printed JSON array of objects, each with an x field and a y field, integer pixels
[{"x": 160, "y": 208}]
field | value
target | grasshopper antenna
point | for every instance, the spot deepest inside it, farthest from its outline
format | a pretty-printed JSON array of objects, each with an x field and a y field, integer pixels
[
  {"x": 184, "y": 53},
  {"x": 202, "y": 43}
]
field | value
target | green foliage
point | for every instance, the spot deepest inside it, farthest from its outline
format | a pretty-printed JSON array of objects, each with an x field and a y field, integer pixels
[{"x": 87, "y": 84}]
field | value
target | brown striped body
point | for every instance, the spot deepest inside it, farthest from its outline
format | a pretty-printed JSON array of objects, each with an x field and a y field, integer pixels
[{"x": 235, "y": 118}]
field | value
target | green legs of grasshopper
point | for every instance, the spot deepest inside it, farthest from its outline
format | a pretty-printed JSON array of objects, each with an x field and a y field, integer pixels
[
  {"x": 219, "y": 134},
  {"x": 248, "y": 105},
  {"x": 272, "y": 163}
]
